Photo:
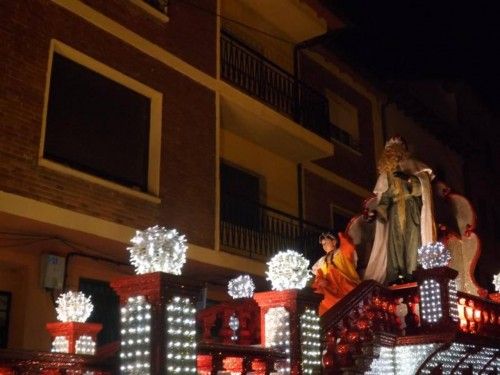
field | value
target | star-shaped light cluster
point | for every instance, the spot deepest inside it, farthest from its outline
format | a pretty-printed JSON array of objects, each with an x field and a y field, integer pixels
[
  {"x": 241, "y": 287},
  {"x": 158, "y": 249},
  {"x": 73, "y": 307},
  {"x": 288, "y": 270}
]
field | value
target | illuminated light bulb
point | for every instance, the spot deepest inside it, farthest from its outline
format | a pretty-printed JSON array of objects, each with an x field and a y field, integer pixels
[
  {"x": 288, "y": 270},
  {"x": 73, "y": 307},
  {"x": 311, "y": 353},
  {"x": 433, "y": 255},
  {"x": 135, "y": 333},
  {"x": 241, "y": 287},
  {"x": 158, "y": 249},
  {"x": 277, "y": 324},
  {"x": 181, "y": 356},
  {"x": 60, "y": 345},
  {"x": 496, "y": 282}
]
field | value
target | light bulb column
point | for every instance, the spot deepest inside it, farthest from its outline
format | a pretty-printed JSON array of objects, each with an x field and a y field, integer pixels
[
  {"x": 73, "y": 337},
  {"x": 438, "y": 298},
  {"x": 167, "y": 324},
  {"x": 299, "y": 305}
]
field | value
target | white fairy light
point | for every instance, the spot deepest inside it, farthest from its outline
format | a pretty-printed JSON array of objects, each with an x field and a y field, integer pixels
[
  {"x": 384, "y": 364},
  {"x": 234, "y": 324},
  {"x": 467, "y": 357},
  {"x": 277, "y": 335},
  {"x": 430, "y": 301},
  {"x": 73, "y": 307},
  {"x": 241, "y": 287},
  {"x": 400, "y": 360},
  {"x": 158, "y": 249},
  {"x": 433, "y": 255},
  {"x": 408, "y": 358},
  {"x": 60, "y": 345},
  {"x": 181, "y": 336},
  {"x": 85, "y": 345},
  {"x": 496, "y": 282},
  {"x": 310, "y": 342},
  {"x": 135, "y": 347},
  {"x": 288, "y": 270}
]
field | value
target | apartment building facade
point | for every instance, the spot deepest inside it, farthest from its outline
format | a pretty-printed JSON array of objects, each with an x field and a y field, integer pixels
[{"x": 203, "y": 116}]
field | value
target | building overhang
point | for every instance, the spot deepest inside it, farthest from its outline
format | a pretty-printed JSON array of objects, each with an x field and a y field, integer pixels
[{"x": 259, "y": 123}]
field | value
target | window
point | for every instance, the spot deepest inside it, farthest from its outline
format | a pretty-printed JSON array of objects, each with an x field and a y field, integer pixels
[
  {"x": 5, "y": 298},
  {"x": 340, "y": 218},
  {"x": 156, "y": 8},
  {"x": 239, "y": 197},
  {"x": 101, "y": 123},
  {"x": 343, "y": 119},
  {"x": 106, "y": 309}
]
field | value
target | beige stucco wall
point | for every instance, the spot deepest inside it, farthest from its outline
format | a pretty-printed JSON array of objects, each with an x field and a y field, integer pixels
[{"x": 279, "y": 175}]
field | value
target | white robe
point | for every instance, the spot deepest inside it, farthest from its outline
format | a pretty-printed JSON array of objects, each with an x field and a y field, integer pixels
[{"x": 377, "y": 265}]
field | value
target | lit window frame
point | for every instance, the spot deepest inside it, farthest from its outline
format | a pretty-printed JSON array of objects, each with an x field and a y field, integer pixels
[{"x": 155, "y": 126}]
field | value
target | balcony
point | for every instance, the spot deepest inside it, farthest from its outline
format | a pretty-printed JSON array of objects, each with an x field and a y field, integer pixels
[
  {"x": 257, "y": 231},
  {"x": 299, "y": 127}
]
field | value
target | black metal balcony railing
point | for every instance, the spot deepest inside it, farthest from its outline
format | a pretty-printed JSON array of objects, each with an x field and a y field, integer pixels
[
  {"x": 258, "y": 231},
  {"x": 264, "y": 80}
]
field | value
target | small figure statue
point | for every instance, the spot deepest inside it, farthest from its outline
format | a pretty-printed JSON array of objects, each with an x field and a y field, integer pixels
[
  {"x": 403, "y": 214},
  {"x": 335, "y": 272}
]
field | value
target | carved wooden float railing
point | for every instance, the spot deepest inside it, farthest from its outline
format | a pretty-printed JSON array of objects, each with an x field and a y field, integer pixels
[
  {"x": 21, "y": 362},
  {"x": 368, "y": 310},
  {"x": 478, "y": 315},
  {"x": 215, "y": 357},
  {"x": 374, "y": 315}
]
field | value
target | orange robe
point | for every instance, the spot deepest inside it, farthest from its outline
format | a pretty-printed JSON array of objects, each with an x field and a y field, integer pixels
[{"x": 336, "y": 274}]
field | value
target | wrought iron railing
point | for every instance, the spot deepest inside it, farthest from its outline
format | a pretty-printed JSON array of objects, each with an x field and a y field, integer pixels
[
  {"x": 258, "y": 231},
  {"x": 266, "y": 81}
]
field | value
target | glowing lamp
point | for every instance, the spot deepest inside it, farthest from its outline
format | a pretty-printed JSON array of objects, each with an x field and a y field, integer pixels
[
  {"x": 241, "y": 287},
  {"x": 433, "y": 255},
  {"x": 73, "y": 307},
  {"x": 496, "y": 282},
  {"x": 158, "y": 249},
  {"x": 288, "y": 270}
]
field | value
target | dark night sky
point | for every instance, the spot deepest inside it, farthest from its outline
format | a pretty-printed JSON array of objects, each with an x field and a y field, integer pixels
[
  {"x": 449, "y": 41},
  {"x": 432, "y": 39}
]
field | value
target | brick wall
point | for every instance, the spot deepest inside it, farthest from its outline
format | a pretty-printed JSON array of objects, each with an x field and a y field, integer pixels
[
  {"x": 189, "y": 34},
  {"x": 188, "y": 136}
]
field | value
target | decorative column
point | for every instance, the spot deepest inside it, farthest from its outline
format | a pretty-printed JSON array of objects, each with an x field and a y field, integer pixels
[
  {"x": 437, "y": 288},
  {"x": 158, "y": 315},
  {"x": 74, "y": 337},
  {"x": 157, "y": 323},
  {"x": 71, "y": 334},
  {"x": 296, "y": 311}
]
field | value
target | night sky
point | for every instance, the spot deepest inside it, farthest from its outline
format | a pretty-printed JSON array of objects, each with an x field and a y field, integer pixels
[
  {"x": 452, "y": 42},
  {"x": 413, "y": 40}
]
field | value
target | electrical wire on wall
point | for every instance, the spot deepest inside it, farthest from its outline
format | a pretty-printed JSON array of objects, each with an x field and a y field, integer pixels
[
  {"x": 20, "y": 239},
  {"x": 239, "y": 23}
]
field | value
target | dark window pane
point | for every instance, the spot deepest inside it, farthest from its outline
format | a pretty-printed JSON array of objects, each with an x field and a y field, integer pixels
[
  {"x": 239, "y": 197},
  {"x": 96, "y": 125},
  {"x": 340, "y": 222}
]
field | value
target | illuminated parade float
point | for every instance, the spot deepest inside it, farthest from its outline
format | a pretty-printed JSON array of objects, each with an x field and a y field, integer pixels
[{"x": 439, "y": 322}]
